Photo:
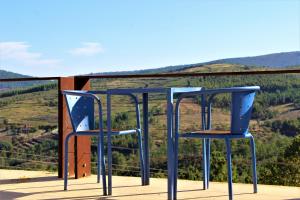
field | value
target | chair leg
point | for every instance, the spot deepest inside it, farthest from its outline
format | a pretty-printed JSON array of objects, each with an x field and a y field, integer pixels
[
  {"x": 101, "y": 164},
  {"x": 109, "y": 164},
  {"x": 109, "y": 153},
  {"x": 254, "y": 174},
  {"x": 98, "y": 161},
  {"x": 208, "y": 161},
  {"x": 66, "y": 166},
  {"x": 141, "y": 152},
  {"x": 176, "y": 146},
  {"x": 102, "y": 159},
  {"x": 204, "y": 164},
  {"x": 229, "y": 167},
  {"x": 66, "y": 160}
]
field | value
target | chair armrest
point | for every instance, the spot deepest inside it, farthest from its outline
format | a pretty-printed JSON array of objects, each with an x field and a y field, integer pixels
[{"x": 97, "y": 92}]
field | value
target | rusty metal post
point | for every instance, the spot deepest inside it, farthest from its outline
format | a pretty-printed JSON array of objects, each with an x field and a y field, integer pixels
[
  {"x": 79, "y": 147},
  {"x": 65, "y": 127}
]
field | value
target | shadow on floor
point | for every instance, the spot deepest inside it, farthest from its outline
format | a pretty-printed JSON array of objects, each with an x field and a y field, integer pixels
[
  {"x": 145, "y": 194},
  {"x": 61, "y": 185},
  {"x": 28, "y": 180},
  {"x": 215, "y": 196},
  {"x": 10, "y": 195}
]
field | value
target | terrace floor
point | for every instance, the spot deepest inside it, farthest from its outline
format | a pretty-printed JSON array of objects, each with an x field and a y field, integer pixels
[{"x": 20, "y": 184}]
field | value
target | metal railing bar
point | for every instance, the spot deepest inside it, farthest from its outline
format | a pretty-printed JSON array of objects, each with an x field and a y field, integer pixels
[
  {"x": 163, "y": 75},
  {"x": 29, "y": 79}
]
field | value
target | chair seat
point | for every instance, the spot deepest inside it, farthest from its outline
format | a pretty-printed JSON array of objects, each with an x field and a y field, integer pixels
[
  {"x": 214, "y": 134},
  {"x": 114, "y": 132},
  {"x": 222, "y": 132}
]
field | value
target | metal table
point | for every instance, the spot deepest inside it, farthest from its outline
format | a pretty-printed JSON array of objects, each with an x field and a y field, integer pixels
[{"x": 170, "y": 92}]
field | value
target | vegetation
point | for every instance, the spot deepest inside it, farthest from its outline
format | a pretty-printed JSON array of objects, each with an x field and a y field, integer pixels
[{"x": 275, "y": 126}]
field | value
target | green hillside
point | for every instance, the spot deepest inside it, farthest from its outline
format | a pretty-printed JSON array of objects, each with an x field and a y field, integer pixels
[
  {"x": 29, "y": 127},
  {"x": 21, "y": 84},
  {"x": 268, "y": 61}
]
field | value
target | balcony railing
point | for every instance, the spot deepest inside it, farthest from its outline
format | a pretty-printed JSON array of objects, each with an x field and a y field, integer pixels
[{"x": 274, "y": 127}]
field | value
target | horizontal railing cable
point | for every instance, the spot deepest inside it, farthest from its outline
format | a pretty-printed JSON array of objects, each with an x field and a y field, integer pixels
[
  {"x": 27, "y": 160},
  {"x": 28, "y": 154}
]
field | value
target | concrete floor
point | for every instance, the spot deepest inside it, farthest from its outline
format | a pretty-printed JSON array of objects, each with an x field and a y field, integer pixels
[{"x": 19, "y": 184}]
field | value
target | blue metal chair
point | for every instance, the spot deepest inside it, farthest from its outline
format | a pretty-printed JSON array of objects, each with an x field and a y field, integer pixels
[
  {"x": 80, "y": 106},
  {"x": 110, "y": 133},
  {"x": 242, "y": 99}
]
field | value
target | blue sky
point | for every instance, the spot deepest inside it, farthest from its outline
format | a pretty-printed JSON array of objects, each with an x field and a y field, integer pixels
[{"x": 56, "y": 37}]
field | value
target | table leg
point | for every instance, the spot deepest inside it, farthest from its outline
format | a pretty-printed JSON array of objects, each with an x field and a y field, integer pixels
[
  {"x": 109, "y": 150},
  {"x": 170, "y": 145},
  {"x": 146, "y": 140}
]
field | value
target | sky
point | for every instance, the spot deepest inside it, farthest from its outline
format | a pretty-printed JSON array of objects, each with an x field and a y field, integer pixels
[{"x": 72, "y": 37}]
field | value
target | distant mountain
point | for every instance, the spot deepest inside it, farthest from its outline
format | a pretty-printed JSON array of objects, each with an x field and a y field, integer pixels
[
  {"x": 275, "y": 60},
  {"x": 150, "y": 71},
  {"x": 10, "y": 85},
  {"x": 6, "y": 74}
]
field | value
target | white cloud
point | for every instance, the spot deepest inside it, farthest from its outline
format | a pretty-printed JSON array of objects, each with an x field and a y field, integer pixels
[
  {"x": 87, "y": 49},
  {"x": 19, "y": 52}
]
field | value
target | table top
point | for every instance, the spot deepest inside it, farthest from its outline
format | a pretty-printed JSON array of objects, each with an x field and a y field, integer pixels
[{"x": 154, "y": 90}]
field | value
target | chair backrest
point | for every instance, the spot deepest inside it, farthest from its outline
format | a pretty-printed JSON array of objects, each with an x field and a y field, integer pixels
[
  {"x": 81, "y": 112},
  {"x": 241, "y": 109}
]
